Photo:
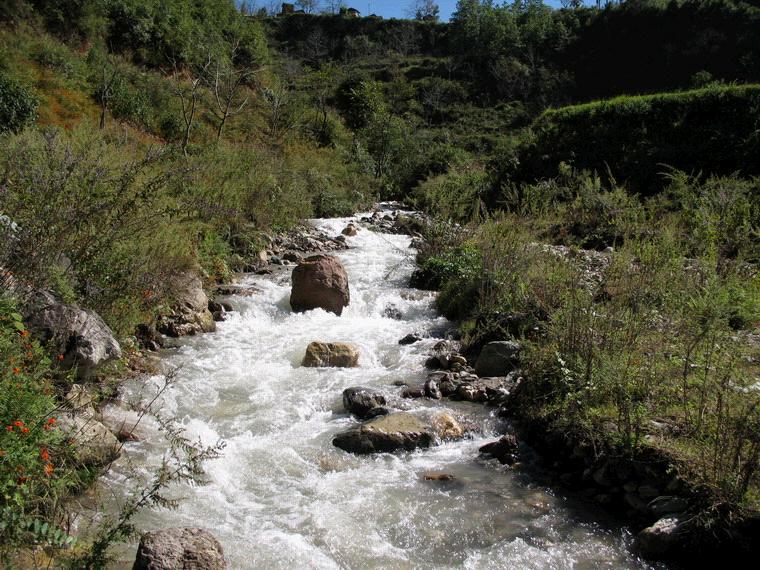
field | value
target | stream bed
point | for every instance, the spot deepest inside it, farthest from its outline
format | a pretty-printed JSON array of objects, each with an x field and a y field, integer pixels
[{"x": 282, "y": 497}]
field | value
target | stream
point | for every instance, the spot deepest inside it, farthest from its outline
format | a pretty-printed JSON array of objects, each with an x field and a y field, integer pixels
[{"x": 282, "y": 497}]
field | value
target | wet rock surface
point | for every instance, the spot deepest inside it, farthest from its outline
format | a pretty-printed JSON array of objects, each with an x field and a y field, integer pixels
[
  {"x": 394, "y": 432},
  {"x": 364, "y": 402},
  {"x": 504, "y": 449},
  {"x": 320, "y": 282},
  {"x": 331, "y": 354}
]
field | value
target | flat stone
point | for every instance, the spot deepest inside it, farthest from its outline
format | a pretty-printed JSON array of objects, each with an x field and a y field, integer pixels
[{"x": 394, "y": 432}]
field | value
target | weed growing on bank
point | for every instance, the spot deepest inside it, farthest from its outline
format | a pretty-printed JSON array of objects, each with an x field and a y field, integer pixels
[{"x": 649, "y": 343}]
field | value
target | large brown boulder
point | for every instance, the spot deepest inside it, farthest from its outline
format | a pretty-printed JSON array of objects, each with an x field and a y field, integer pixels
[
  {"x": 393, "y": 432},
  {"x": 179, "y": 549},
  {"x": 320, "y": 282},
  {"x": 334, "y": 354}
]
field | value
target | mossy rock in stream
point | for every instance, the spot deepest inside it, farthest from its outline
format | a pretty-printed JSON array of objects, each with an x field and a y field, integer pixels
[{"x": 398, "y": 431}]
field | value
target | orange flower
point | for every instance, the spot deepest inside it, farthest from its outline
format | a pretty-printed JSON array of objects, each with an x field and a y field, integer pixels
[
  {"x": 24, "y": 333},
  {"x": 25, "y": 430},
  {"x": 48, "y": 469},
  {"x": 18, "y": 424},
  {"x": 16, "y": 370},
  {"x": 44, "y": 454},
  {"x": 51, "y": 421},
  {"x": 60, "y": 357},
  {"x": 9, "y": 428}
]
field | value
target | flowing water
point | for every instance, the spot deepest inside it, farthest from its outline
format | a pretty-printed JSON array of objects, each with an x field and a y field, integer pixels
[{"x": 282, "y": 496}]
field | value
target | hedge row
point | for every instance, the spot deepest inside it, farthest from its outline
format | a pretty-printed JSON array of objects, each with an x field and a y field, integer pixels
[{"x": 714, "y": 130}]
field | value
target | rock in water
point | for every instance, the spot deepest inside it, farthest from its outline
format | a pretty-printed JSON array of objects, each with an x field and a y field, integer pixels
[
  {"x": 319, "y": 282},
  {"x": 410, "y": 339},
  {"x": 80, "y": 335},
  {"x": 662, "y": 538},
  {"x": 504, "y": 449},
  {"x": 179, "y": 549},
  {"x": 349, "y": 230},
  {"x": 446, "y": 426},
  {"x": 334, "y": 354},
  {"x": 363, "y": 402},
  {"x": 497, "y": 358},
  {"x": 399, "y": 430}
]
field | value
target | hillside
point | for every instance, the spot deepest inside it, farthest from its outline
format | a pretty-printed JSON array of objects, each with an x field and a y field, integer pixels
[{"x": 591, "y": 177}]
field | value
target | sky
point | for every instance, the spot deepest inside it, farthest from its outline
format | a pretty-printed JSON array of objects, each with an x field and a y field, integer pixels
[
  {"x": 401, "y": 8},
  {"x": 392, "y": 8}
]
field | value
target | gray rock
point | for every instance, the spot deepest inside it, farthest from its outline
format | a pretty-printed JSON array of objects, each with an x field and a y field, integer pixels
[
  {"x": 432, "y": 390},
  {"x": 467, "y": 393},
  {"x": 320, "y": 281},
  {"x": 413, "y": 392},
  {"x": 409, "y": 339},
  {"x": 189, "y": 312},
  {"x": 391, "y": 311},
  {"x": 504, "y": 449},
  {"x": 668, "y": 504},
  {"x": 333, "y": 354},
  {"x": 497, "y": 358},
  {"x": 80, "y": 335},
  {"x": 393, "y": 432},
  {"x": 362, "y": 401},
  {"x": 94, "y": 445},
  {"x": 179, "y": 549},
  {"x": 79, "y": 401},
  {"x": 662, "y": 538},
  {"x": 448, "y": 386}
]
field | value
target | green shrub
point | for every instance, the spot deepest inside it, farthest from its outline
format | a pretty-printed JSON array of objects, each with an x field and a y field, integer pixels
[
  {"x": 715, "y": 130},
  {"x": 18, "y": 107},
  {"x": 456, "y": 196},
  {"x": 720, "y": 215},
  {"x": 35, "y": 463}
]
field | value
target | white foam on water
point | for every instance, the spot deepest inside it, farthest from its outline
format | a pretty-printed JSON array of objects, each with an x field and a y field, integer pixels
[{"x": 281, "y": 496}]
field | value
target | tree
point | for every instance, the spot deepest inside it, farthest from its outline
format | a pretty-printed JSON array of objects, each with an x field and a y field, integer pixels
[
  {"x": 426, "y": 10},
  {"x": 106, "y": 81},
  {"x": 308, "y": 6},
  {"x": 226, "y": 82},
  {"x": 335, "y": 6},
  {"x": 189, "y": 93},
  {"x": 281, "y": 113}
]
